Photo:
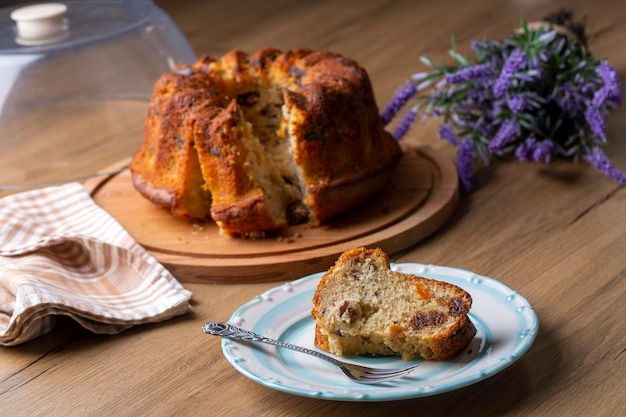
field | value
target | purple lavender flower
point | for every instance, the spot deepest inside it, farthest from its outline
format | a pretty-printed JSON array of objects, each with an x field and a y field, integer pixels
[
  {"x": 532, "y": 150},
  {"x": 611, "y": 83},
  {"x": 600, "y": 97},
  {"x": 474, "y": 72},
  {"x": 506, "y": 134},
  {"x": 400, "y": 98},
  {"x": 480, "y": 92},
  {"x": 568, "y": 100},
  {"x": 405, "y": 124},
  {"x": 447, "y": 133},
  {"x": 596, "y": 122},
  {"x": 587, "y": 88},
  {"x": 465, "y": 164},
  {"x": 515, "y": 62},
  {"x": 499, "y": 102},
  {"x": 517, "y": 103},
  {"x": 524, "y": 152},
  {"x": 542, "y": 151},
  {"x": 599, "y": 160}
]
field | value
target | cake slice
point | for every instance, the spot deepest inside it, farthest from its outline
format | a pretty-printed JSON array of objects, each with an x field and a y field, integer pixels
[
  {"x": 362, "y": 307},
  {"x": 249, "y": 196}
]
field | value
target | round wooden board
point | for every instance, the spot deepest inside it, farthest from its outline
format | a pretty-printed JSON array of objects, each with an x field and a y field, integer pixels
[{"x": 420, "y": 198}]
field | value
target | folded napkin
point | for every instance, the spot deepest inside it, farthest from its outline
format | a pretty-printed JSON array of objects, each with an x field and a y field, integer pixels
[{"x": 61, "y": 254}]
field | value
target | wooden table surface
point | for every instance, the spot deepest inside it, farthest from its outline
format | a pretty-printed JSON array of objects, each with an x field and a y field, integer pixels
[{"x": 556, "y": 234}]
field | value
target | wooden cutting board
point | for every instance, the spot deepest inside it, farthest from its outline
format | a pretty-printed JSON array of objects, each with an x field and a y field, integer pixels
[{"x": 420, "y": 198}]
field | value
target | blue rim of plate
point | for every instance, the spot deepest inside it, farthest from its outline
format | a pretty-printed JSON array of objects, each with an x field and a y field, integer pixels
[{"x": 505, "y": 321}]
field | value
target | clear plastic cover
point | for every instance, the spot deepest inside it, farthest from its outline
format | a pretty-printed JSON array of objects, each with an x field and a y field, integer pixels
[{"x": 82, "y": 94}]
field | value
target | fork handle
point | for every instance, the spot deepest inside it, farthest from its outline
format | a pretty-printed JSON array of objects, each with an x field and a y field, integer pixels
[{"x": 230, "y": 331}]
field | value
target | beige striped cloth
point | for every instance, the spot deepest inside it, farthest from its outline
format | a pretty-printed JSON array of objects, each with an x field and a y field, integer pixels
[{"x": 61, "y": 254}]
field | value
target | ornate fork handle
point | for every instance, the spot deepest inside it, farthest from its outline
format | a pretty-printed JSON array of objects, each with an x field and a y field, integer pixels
[{"x": 217, "y": 328}]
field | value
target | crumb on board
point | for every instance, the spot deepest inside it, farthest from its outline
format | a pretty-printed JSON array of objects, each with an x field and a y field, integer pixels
[
  {"x": 289, "y": 239},
  {"x": 196, "y": 229}
]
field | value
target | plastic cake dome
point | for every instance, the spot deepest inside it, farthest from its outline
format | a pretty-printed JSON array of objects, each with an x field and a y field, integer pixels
[{"x": 75, "y": 80}]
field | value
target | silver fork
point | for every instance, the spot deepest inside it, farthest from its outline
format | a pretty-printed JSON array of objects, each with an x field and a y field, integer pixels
[{"x": 358, "y": 373}]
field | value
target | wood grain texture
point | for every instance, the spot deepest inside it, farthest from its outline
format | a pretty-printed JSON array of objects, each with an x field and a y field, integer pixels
[
  {"x": 419, "y": 198},
  {"x": 554, "y": 233}
]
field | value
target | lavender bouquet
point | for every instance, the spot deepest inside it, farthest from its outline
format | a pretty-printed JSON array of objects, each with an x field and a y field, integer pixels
[{"x": 536, "y": 95}]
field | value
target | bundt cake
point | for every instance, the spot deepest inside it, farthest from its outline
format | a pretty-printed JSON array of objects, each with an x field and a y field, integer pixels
[
  {"x": 362, "y": 307},
  {"x": 257, "y": 142}
]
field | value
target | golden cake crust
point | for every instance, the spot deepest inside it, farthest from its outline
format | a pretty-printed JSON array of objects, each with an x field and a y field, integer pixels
[
  {"x": 166, "y": 168},
  {"x": 362, "y": 307}
]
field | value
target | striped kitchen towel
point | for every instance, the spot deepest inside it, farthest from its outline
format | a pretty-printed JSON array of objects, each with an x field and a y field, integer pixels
[{"x": 61, "y": 254}]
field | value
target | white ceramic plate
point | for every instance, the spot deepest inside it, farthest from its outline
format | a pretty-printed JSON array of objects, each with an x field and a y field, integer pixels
[{"x": 505, "y": 321}]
